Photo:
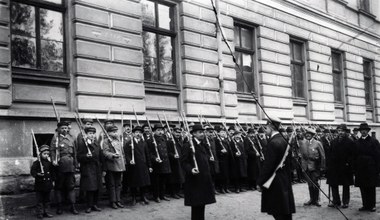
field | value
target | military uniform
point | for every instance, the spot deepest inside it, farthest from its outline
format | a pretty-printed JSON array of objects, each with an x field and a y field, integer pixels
[{"x": 253, "y": 161}]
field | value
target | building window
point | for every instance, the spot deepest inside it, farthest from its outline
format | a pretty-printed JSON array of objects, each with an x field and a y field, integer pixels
[
  {"x": 297, "y": 66},
  {"x": 368, "y": 68},
  {"x": 244, "y": 53},
  {"x": 365, "y": 5},
  {"x": 37, "y": 37},
  {"x": 158, "y": 40},
  {"x": 337, "y": 68}
]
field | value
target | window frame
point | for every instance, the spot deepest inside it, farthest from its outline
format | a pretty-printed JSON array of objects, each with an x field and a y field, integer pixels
[
  {"x": 152, "y": 86},
  {"x": 242, "y": 95},
  {"x": 370, "y": 78},
  {"x": 292, "y": 40},
  {"x": 365, "y": 6},
  {"x": 39, "y": 75},
  {"x": 341, "y": 73}
]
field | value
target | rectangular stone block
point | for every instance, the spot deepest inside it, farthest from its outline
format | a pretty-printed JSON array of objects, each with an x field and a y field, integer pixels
[
  {"x": 86, "y": 85},
  {"x": 339, "y": 114},
  {"x": 260, "y": 8},
  {"x": 200, "y": 54},
  {"x": 4, "y": 12},
  {"x": 275, "y": 68},
  {"x": 200, "y": 82},
  {"x": 272, "y": 79},
  {"x": 273, "y": 23},
  {"x": 192, "y": 66},
  {"x": 193, "y": 95},
  {"x": 321, "y": 87},
  {"x": 5, "y": 78},
  {"x": 4, "y": 35},
  {"x": 203, "y": 27},
  {"x": 128, "y": 56},
  {"x": 5, "y": 98},
  {"x": 204, "y": 109},
  {"x": 322, "y": 116},
  {"x": 356, "y": 117},
  {"x": 311, "y": 26},
  {"x": 108, "y": 70},
  {"x": 356, "y": 109},
  {"x": 322, "y": 106},
  {"x": 275, "y": 102},
  {"x": 319, "y": 58},
  {"x": 266, "y": 32},
  {"x": 355, "y": 92},
  {"x": 92, "y": 50},
  {"x": 211, "y": 97},
  {"x": 230, "y": 86},
  {"x": 211, "y": 69},
  {"x": 115, "y": 104},
  {"x": 290, "y": 19},
  {"x": 354, "y": 66},
  {"x": 355, "y": 101},
  {"x": 319, "y": 67},
  {"x": 299, "y": 111},
  {"x": 108, "y": 36},
  {"x": 154, "y": 102},
  {"x": 321, "y": 77},
  {"x": 354, "y": 75},
  {"x": 231, "y": 112},
  {"x": 128, "y": 89},
  {"x": 273, "y": 46},
  {"x": 209, "y": 42},
  {"x": 39, "y": 93},
  {"x": 231, "y": 100},
  {"x": 319, "y": 48},
  {"x": 5, "y": 56},
  {"x": 247, "y": 108},
  {"x": 328, "y": 32},
  {"x": 189, "y": 9},
  {"x": 229, "y": 73},
  {"x": 277, "y": 91},
  {"x": 191, "y": 38},
  {"x": 321, "y": 96},
  {"x": 297, "y": 32},
  {"x": 228, "y": 61},
  {"x": 91, "y": 15},
  {"x": 131, "y": 8},
  {"x": 280, "y": 113},
  {"x": 355, "y": 83},
  {"x": 126, "y": 23}
]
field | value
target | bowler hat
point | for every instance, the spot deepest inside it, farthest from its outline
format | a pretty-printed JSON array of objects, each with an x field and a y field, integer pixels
[
  {"x": 197, "y": 127},
  {"x": 289, "y": 129},
  {"x": 157, "y": 126},
  {"x": 342, "y": 126},
  {"x": 364, "y": 126},
  {"x": 237, "y": 132},
  {"x": 251, "y": 130},
  {"x": 219, "y": 128},
  {"x": 137, "y": 128}
]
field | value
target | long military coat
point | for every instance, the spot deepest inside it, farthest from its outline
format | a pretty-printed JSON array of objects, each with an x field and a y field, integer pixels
[
  {"x": 367, "y": 162},
  {"x": 138, "y": 174}
]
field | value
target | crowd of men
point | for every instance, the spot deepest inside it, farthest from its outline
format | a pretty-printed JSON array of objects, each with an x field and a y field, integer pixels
[{"x": 198, "y": 161}]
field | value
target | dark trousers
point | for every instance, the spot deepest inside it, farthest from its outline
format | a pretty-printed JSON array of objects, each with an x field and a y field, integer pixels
[
  {"x": 43, "y": 200},
  {"x": 368, "y": 197},
  {"x": 135, "y": 191},
  {"x": 313, "y": 190},
  {"x": 159, "y": 184},
  {"x": 198, "y": 212},
  {"x": 174, "y": 188},
  {"x": 114, "y": 185},
  {"x": 345, "y": 194},
  {"x": 283, "y": 217},
  {"x": 92, "y": 198}
]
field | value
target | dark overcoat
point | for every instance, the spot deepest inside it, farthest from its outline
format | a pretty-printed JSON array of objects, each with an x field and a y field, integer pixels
[
  {"x": 176, "y": 175},
  {"x": 340, "y": 171},
  {"x": 162, "y": 147},
  {"x": 223, "y": 158},
  {"x": 253, "y": 161},
  {"x": 42, "y": 183},
  {"x": 240, "y": 161},
  {"x": 367, "y": 162},
  {"x": 214, "y": 165},
  {"x": 138, "y": 174},
  {"x": 90, "y": 167},
  {"x": 199, "y": 189},
  {"x": 278, "y": 198}
]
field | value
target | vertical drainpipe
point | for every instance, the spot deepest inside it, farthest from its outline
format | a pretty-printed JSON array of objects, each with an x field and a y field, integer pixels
[{"x": 220, "y": 64}]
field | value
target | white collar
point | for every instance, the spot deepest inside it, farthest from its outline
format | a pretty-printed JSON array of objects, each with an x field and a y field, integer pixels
[
  {"x": 198, "y": 141},
  {"x": 365, "y": 137},
  {"x": 274, "y": 133}
]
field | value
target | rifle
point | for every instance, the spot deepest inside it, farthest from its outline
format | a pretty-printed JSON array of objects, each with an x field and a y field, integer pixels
[
  {"x": 238, "y": 153},
  {"x": 176, "y": 155},
  {"x": 137, "y": 120},
  {"x": 196, "y": 169},
  {"x": 37, "y": 152},
  {"x": 57, "y": 136},
  {"x": 207, "y": 140},
  {"x": 280, "y": 165},
  {"x": 218, "y": 137},
  {"x": 159, "y": 118},
  {"x": 80, "y": 125},
  {"x": 132, "y": 148},
  {"x": 154, "y": 142}
]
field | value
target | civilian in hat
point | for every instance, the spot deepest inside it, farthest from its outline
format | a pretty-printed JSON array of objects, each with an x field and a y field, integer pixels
[
  {"x": 239, "y": 167},
  {"x": 340, "y": 167},
  {"x": 198, "y": 187},
  {"x": 139, "y": 165},
  {"x": 355, "y": 134},
  {"x": 223, "y": 152},
  {"x": 146, "y": 131},
  {"x": 114, "y": 165},
  {"x": 313, "y": 162},
  {"x": 231, "y": 130},
  {"x": 262, "y": 138},
  {"x": 214, "y": 161},
  {"x": 278, "y": 199},
  {"x": 63, "y": 154},
  {"x": 158, "y": 149},
  {"x": 102, "y": 135},
  {"x": 43, "y": 183},
  {"x": 318, "y": 134},
  {"x": 252, "y": 150},
  {"x": 367, "y": 167},
  {"x": 326, "y": 140},
  {"x": 175, "y": 188},
  {"x": 90, "y": 157}
]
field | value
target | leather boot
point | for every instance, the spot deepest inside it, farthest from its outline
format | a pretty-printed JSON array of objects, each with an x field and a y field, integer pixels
[{"x": 74, "y": 210}]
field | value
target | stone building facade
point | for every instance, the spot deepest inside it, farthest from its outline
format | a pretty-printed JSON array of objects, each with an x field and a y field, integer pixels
[{"x": 304, "y": 60}]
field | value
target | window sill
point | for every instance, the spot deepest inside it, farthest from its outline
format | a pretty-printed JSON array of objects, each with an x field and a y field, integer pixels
[
  {"x": 339, "y": 105},
  {"x": 369, "y": 108},
  {"x": 38, "y": 76},
  {"x": 159, "y": 87},
  {"x": 369, "y": 14},
  {"x": 342, "y": 1},
  {"x": 248, "y": 97},
  {"x": 299, "y": 102}
]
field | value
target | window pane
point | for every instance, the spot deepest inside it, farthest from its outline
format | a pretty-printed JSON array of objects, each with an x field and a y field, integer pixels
[
  {"x": 150, "y": 56},
  {"x": 336, "y": 61},
  {"x": 367, "y": 68},
  {"x": 247, "y": 62},
  {"x": 51, "y": 25},
  {"x": 54, "y": 1},
  {"x": 297, "y": 52},
  {"x": 246, "y": 38},
  {"x": 237, "y": 36},
  {"x": 368, "y": 88},
  {"x": 52, "y": 56},
  {"x": 148, "y": 13},
  {"x": 23, "y": 20},
  {"x": 166, "y": 59},
  {"x": 164, "y": 17},
  {"x": 298, "y": 86},
  {"x": 337, "y": 80},
  {"x": 23, "y": 52}
]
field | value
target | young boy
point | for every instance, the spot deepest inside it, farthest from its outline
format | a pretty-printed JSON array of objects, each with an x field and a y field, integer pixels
[{"x": 43, "y": 183}]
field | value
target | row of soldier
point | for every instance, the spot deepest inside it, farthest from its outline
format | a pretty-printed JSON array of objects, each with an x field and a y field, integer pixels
[{"x": 154, "y": 156}]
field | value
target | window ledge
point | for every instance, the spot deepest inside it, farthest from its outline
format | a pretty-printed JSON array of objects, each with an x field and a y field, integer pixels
[
  {"x": 339, "y": 105},
  {"x": 298, "y": 101},
  {"x": 159, "y": 87},
  {"x": 58, "y": 78},
  {"x": 369, "y": 14},
  {"x": 369, "y": 108},
  {"x": 342, "y": 1},
  {"x": 246, "y": 97}
]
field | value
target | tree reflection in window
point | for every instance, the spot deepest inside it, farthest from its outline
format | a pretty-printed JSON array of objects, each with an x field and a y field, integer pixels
[
  {"x": 158, "y": 38},
  {"x": 37, "y": 37}
]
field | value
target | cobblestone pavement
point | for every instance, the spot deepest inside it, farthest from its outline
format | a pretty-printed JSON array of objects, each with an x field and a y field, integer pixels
[{"x": 230, "y": 206}]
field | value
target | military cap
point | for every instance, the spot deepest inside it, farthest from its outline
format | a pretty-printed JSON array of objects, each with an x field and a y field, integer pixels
[
  {"x": 261, "y": 130},
  {"x": 137, "y": 128},
  {"x": 62, "y": 123},
  {"x": 289, "y": 129},
  {"x": 251, "y": 130},
  {"x": 85, "y": 120},
  {"x": 112, "y": 128},
  {"x": 310, "y": 130},
  {"x": 237, "y": 132},
  {"x": 219, "y": 128},
  {"x": 44, "y": 148},
  {"x": 90, "y": 129},
  {"x": 157, "y": 126},
  {"x": 231, "y": 128}
]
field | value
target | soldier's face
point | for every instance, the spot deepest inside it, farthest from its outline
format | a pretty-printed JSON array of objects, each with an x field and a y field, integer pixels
[
  {"x": 341, "y": 132},
  {"x": 91, "y": 135},
  {"x": 200, "y": 135},
  {"x": 364, "y": 132},
  {"x": 308, "y": 136},
  {"x": 108, "y": 124},
  {"x": 223, "y": 133},
  {"x": 113, "y": 133},
  {"x": 159, "y": 131},
  {"x": 146, "y": 130},
  {"x": 137, "y": 134},
  {"x": 127, "y": 129},
  {"x": 63, "y": 130},
  {"x": 88, "y": 124},
  {"x": 177, "y": 134},
  {"x": 45, "y": 155}
]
